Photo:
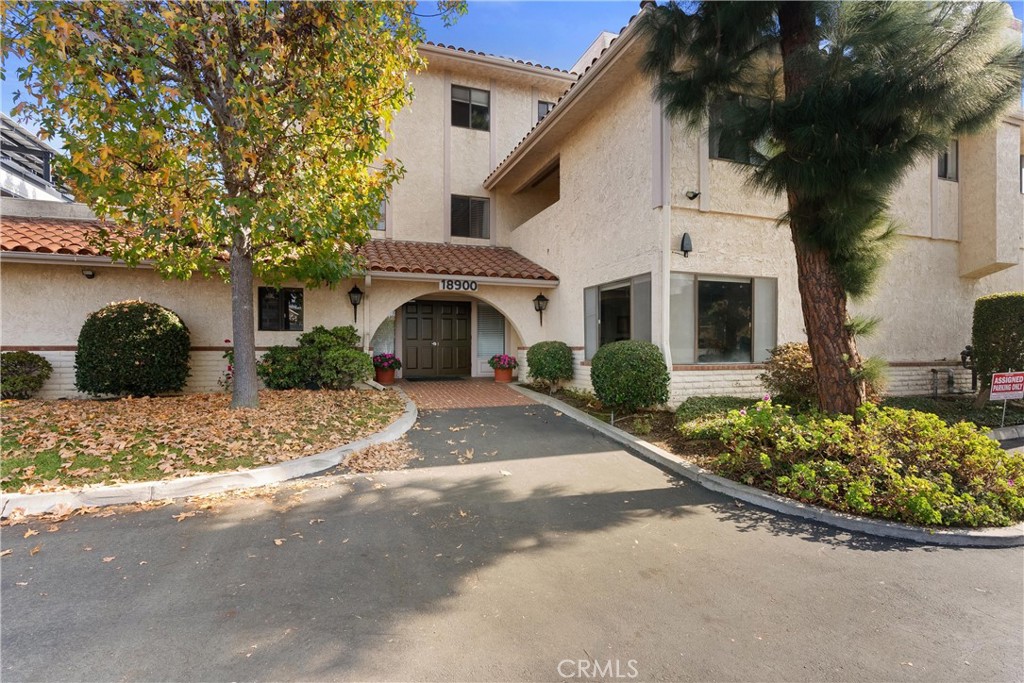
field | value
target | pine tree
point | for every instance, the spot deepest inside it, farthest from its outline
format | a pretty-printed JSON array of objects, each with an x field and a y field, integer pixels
[{"x": 845, "y": 98}]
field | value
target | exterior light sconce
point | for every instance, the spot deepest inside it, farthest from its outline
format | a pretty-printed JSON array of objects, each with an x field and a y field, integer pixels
[
  {"x": 686, "y": 246},
  {"x": 355, "y": 295},
  {"x": 540, "y": 303},
  {"x": 691, "y": 195},
  {"x": 89, "y": 274}
]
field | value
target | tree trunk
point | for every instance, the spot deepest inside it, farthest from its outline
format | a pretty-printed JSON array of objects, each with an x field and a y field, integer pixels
[
  {"x": 245, "y": 392},
  {"x": 822, "y": 296},
  {"x": 833, "y": 348}
]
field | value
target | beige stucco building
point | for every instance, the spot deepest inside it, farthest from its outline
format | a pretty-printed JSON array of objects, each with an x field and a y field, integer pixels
[{"x": 523, "y": 180}]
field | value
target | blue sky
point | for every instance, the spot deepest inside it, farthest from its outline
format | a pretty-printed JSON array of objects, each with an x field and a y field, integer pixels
[{"x": 550, "y": 33}]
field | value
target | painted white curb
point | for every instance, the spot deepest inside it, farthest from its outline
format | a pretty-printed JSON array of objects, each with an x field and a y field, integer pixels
[
  {"x": 1007, "y": 432},
  {"x": 988, "y": 537},
  {"x": 140, "y": 492}
]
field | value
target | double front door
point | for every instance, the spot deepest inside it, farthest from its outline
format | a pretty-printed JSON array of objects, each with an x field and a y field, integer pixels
[{"x": 436, "y": 338}]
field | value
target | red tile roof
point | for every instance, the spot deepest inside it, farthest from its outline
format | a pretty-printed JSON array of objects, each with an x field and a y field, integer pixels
[
  {"x": 48, "y": 235},
  {"x": 522, "y": 62},
  {"x": 69, "y": 236},
  {"x": 391, "y": 256}
]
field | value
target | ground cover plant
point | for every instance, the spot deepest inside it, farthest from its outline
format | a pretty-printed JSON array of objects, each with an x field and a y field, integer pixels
[
  {"x": 55, "y": 444},
  {"x": 890, "y": 463}
]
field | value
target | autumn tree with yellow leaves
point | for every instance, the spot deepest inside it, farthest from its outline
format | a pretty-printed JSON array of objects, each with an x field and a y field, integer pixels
[{"x": 240, "y": 140}]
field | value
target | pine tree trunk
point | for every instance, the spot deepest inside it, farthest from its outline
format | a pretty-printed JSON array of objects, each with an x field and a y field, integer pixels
[
  {"x": 822, "y": 296},
  {"x": 833, "y": 348},
  {"x": 245, "y": 392}
]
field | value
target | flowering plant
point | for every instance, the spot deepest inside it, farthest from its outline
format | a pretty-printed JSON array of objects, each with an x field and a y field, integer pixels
[
  {"x": 503, "y": 361},
  {"x": 387, "y": 361}
]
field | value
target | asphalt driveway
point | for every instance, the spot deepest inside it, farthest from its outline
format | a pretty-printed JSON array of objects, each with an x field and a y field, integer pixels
[{"x": 519, "y": 545}]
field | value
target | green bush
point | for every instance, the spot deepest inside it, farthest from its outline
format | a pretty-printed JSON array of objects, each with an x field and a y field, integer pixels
[
  {"x": 889, "y": 463},
  {"x": 550, "y": 362},
  {"x": 327, "y": 358},
  {"x": 132, "y": 347},
  {"x": 22, "y": 374},
  {"x": 628, "y": 375},
  {"x": 279, "y": 368},
  {"x": 789, "y": 376},
  {"x": 998, "y": 334},
  {"x": 342, "y": 367}
]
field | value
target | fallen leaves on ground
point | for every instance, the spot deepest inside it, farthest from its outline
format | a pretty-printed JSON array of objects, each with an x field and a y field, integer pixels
[
  {"x": 49, "y": 445},
  {"x": 384, "y": 456}
]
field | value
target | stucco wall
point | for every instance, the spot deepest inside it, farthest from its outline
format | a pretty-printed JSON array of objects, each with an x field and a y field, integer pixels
[{"x": 602, "y": 228}]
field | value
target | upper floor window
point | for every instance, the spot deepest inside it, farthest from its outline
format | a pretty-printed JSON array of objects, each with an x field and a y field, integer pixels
[
  {"x": 949, "y": 162},
  {"x": 471, "y": 217},
  {"x": 471, "y": 108},
  {"x": 543, "y": 108},
  {"x": 382, "y": 215},
  {"x": 280, "y": 309},
  {"x": 726, "y": 138}
]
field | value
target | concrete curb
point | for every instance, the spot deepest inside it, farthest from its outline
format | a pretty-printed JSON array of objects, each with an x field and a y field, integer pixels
[
  {"x": 989, "y": 537},
  {"x": 1008, "y": 432},
  {"x": 140, "y": 492}
]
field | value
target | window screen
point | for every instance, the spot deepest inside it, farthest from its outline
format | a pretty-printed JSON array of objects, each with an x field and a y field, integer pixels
[
  {"x": 471, "y": 108},
  {"x": 280, "y": 309},
  {"x": 470, "y": 217}
]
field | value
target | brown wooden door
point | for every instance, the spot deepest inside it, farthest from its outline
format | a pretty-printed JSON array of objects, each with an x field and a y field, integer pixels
[{"x": 436, "y": 338}]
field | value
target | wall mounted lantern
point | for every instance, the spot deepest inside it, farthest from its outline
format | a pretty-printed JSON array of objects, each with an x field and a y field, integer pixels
[
  {"x": 355, "y": 295},
  {"x": 540, "y": 302},
  {"x": 687, "y": 245}
]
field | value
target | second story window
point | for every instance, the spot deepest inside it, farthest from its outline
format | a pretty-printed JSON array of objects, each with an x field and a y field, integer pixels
[
  {"x": 471, "y": 108},
  {"x": 381, "y": 223},
  {"x": 948, "y": 161},
  {"x": 471, "y": 217},
  {"x": 543, "y": 108},
  {"x": 727, "y": 140}
]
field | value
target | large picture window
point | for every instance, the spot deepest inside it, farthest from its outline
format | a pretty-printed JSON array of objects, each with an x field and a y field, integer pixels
[
  {"x": 617, "y": 311},
  {"x": 471, "y": 108},
  {"x": 280, "y": 309},
  {"x": 471, "y": 217},
  {"x": 716, "y": 319}
]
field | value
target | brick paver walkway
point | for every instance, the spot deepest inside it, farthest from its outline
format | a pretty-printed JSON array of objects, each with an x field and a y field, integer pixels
[{"x": 469, "y": 393}]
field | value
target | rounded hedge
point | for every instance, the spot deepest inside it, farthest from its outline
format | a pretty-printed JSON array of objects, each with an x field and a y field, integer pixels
[
  {"x": 22, "y": 373},
  {"x": 324, "y": 358},
  {"x": 789, "y": 374},
  {"x": 628, "y": 375},
  {"x": 998, "y": 334},
  {"x": 132, "y": 347},
  {"x": 550, "y": 361}
]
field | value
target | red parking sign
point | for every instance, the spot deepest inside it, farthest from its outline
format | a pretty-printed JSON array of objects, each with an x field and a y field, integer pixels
[{"x": 1007, "y": 386}]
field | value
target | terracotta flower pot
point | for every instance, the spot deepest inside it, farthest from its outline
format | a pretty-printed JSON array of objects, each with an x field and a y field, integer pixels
[
  {"x": 503, "y": 375},
  {"x": 384, "y": 376}
]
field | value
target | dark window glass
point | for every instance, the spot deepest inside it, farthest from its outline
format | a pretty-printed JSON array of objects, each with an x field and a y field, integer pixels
[
  {"x": 471, "y": 108},
  {"x": 614, "y": 320},
  {"x": 543, "y": 108},
  {"x": 470, "y": 217},
  {"x": 724, "y": 321},
  {"x": 280, "y": 309},
  {"x": 726, "y": 139},
  {"x": 948, "y": 161}
]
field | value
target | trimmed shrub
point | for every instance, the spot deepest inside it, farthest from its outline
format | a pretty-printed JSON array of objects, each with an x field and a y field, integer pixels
[
  {"x": 279, "y": 368},
  {"x": 702, "y": 417},
  {"x": 628, "y": 375},
  {"x": 889, "y": 463},
  {"x": 998, "y": 334},
  {"x": 22, "y": 373},
  {"x": 789, "y": 376},
  {"x": 325, "y": 358},
  {"x": 342, "y": 367},
  {"x": 550, "y": 362},
  {"x": 132, "y": 347}
]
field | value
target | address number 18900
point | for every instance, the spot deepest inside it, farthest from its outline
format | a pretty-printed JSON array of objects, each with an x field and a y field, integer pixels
[{"x": 458, "y": 285}]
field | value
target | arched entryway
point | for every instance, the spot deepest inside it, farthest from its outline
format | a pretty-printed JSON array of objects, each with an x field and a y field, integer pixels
[{"x": 439, "y": 336}]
